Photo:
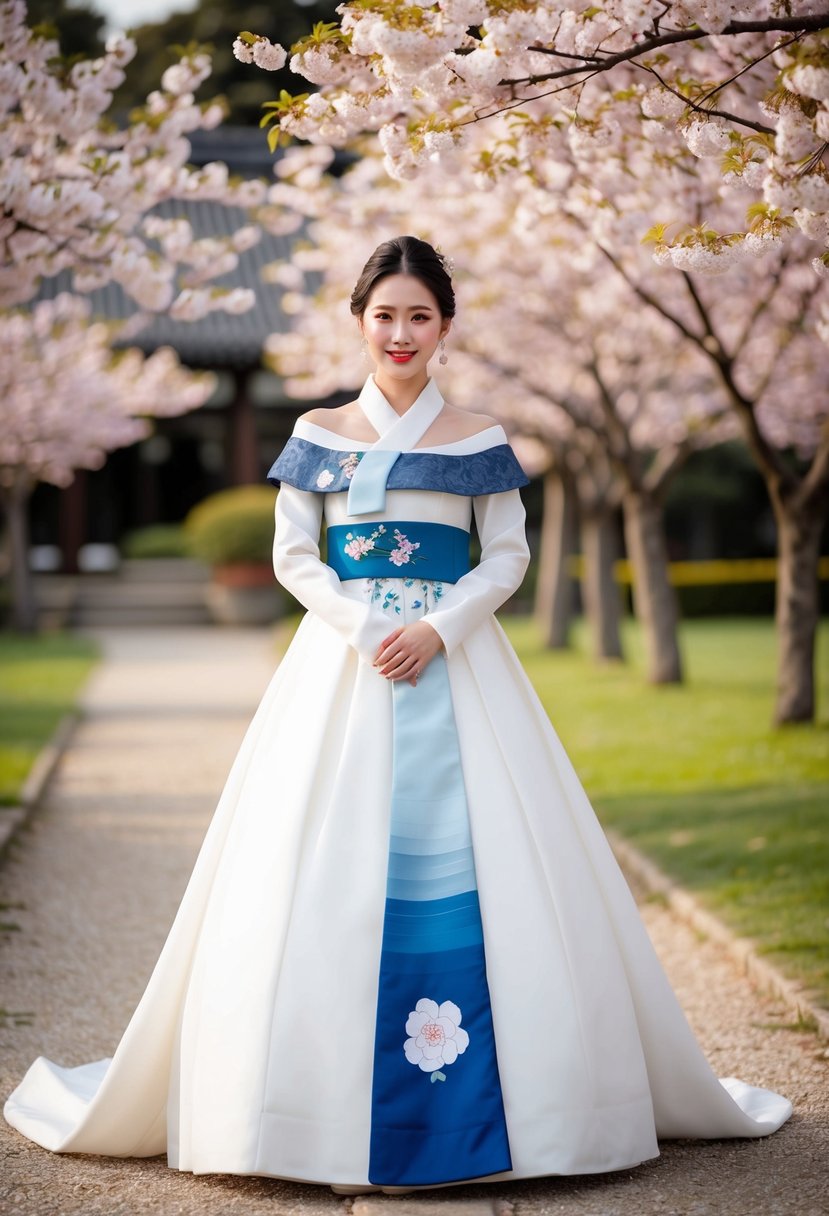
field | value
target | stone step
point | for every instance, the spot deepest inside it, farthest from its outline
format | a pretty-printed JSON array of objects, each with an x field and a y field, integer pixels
[
  {"x": 163, "y": 570},
  {"x": 115, "y": 594},
  {"x": 92, "y": 616}
]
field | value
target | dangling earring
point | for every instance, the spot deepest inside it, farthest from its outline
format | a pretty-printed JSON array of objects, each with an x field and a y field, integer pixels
[
  {"x": 444, "y": 358},
  {"x": 364, "y": 348}
]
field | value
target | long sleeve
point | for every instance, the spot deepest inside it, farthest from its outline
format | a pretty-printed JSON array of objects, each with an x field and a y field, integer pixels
[
  {"x": 298, "y": 567},
  {"x": 505, "y": 556}
]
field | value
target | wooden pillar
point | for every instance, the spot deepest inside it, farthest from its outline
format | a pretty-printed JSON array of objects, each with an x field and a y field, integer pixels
[
  {"x": 243, "y": 451},
  {"x": 72, "y": 521}
]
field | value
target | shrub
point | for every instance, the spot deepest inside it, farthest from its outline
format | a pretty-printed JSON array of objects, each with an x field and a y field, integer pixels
[
  {"x": 232, "y": 526},
  {"x": 159, "y": 540}
]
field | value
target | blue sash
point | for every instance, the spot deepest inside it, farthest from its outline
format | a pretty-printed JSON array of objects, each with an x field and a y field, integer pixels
[
  {"x": 398, "y": 548},
  {"x": 437, "y": 1113}
]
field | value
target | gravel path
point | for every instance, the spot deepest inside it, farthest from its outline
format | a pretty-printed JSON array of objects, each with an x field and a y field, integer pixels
[{"x": 89, "y": 891}]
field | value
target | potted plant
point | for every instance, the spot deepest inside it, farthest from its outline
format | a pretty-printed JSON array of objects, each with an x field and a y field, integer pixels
[{"x": 232, "y": 532}]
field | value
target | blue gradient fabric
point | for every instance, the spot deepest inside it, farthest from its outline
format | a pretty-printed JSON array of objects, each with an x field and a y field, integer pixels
[{"x": 437, "y": 1111}]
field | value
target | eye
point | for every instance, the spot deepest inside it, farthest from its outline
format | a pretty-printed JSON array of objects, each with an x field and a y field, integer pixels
[
  {"x": 421, "y": 316},
  {"x": 382, "y": 316}
]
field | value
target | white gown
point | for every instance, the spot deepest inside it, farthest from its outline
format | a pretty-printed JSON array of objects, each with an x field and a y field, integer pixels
[{"x": 252, "y": 1049}]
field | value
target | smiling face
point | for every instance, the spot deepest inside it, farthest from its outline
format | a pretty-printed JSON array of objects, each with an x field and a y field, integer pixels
[{"x": 402, "y": 325}]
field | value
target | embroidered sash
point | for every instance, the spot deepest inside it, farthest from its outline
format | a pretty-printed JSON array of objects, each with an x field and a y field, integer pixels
[
  {"x": 396, "y": 548},
  {"x": 437, "y": 1112}
]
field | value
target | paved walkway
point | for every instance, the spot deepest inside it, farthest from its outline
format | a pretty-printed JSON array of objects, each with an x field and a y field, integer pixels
[{"x": 91, "y": 887}]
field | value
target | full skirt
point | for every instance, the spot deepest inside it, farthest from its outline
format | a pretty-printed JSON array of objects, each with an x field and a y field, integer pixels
[{"x": 251, "y": 1051}]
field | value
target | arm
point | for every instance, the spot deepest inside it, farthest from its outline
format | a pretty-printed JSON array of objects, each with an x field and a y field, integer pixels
[
  {"x": 297, "y": 565},
  {"x": 505, "y": 556}
]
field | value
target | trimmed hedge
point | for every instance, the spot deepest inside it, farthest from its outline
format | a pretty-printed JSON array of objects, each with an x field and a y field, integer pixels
[{"x": 234, "y": 525}]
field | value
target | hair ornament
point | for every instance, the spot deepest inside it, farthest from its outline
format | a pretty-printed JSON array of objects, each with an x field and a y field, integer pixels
[{"x": 448, "y": 262}]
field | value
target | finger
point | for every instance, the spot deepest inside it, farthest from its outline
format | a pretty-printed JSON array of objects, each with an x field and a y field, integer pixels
[
  {"x": 384, "y": 645},
  {"x": 401, "y": 669},
  {"x": 395, "y": 650}
]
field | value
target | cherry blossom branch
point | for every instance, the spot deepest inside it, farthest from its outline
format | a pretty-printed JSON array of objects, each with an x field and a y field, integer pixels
[
  {"x": 813, "y": 23},
  {"x": 708, "y": 111}
]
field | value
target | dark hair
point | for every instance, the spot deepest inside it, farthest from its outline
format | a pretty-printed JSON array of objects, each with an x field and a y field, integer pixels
[{"x": 405, "y": 255}]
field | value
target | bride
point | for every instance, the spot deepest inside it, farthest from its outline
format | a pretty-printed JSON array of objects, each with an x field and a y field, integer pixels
[{"x": 406, "y": 956}]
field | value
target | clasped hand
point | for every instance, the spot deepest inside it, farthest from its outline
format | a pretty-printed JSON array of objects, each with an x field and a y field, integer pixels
[{"x": 405, "y": 652}]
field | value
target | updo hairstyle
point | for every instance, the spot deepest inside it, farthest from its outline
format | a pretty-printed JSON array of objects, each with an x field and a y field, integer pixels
[{"x": 405, "y": 255}]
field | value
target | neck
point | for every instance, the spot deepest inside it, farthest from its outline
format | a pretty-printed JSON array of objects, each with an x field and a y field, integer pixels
[{"x": 401, "y": 394}]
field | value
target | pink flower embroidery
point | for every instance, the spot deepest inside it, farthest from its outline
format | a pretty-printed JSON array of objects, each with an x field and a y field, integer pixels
[
  {"x": 349, "y": 464},
  {"x": 359, "y": 547}
]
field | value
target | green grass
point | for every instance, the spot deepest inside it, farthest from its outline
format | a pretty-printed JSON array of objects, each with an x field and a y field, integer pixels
[
  {"x": 696, "y": 776},
  {"x": 40, "y": 678}
]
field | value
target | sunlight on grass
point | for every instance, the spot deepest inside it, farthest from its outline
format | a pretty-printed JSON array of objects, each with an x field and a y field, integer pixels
[
  {"x": 696, "y": 776},
  {"x": 40, "y": 678}
]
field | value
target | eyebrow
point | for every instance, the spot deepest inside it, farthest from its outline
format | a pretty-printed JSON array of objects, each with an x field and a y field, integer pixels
[{"x": 413, "y": 308}]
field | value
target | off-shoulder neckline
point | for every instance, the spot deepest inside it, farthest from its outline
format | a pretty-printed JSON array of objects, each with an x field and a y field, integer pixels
[{"x": 469, "y": 442}]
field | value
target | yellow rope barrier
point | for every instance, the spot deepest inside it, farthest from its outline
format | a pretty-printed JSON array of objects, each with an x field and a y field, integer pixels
[{"x": 701, "y": 574}]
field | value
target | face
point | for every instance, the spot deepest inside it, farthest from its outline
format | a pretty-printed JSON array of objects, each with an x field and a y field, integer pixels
[{"x": 402, "y": 325}]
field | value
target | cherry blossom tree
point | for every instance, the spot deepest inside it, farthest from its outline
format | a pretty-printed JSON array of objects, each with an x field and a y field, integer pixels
[
  {"x": 79, "y": 194},
  {"x": 67, "y": 400},
  {"x": 532, "y": 87}
]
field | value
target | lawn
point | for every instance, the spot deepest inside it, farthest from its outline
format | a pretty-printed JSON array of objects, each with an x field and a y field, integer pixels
[
  {"x": 40, "y": 678},
  {"x": 696, "y": 777}
]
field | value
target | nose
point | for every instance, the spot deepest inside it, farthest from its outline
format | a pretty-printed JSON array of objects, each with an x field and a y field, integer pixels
[{"x": 400, "y": 336}]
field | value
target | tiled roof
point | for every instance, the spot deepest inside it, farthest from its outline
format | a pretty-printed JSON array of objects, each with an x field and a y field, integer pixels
[{"x": 219, "y": 340}]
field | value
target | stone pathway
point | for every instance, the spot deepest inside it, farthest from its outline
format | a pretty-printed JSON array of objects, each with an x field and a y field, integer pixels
[{"x": 90, "y": 888}]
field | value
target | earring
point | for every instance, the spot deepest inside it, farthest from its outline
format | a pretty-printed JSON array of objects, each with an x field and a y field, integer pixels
[
  {"x": 364, "y": 348},
  {"x": 444, "y": 358}
]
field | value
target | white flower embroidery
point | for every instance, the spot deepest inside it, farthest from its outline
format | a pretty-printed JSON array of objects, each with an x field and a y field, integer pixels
[
  {"x": 325, "y": 478},
  {"x": 436, "y": 1036}
]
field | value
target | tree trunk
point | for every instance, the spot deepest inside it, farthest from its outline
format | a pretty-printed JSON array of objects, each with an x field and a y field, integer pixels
[
  {"x": 797, "y": 608},
  {"x": 654, "y": 599},
  {"x": 555, "y": 589},
  {"x": 600, "y": 592},
  {"x": 16, "y": 503}
]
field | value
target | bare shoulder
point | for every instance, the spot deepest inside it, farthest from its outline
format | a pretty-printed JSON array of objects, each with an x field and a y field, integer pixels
[
  {"x": 461, "y": 424},
  {"x": 325, "y": 415},
  {"x": 347, "y": 420}
]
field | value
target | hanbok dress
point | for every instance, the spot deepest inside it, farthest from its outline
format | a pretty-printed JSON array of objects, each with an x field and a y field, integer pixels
[{"x": 406, "y": 956}]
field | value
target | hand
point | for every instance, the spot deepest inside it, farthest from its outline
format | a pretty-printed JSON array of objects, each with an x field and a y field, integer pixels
[{"x": 403, "y": 654}]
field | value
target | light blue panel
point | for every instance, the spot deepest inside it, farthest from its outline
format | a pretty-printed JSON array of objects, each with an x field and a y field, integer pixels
[
  {"x": 367, "y": 491},
  {"x": 427, "y": 844},
  {"x": 437, "y": 888},
  {"x": 439, "y": 814},
  {"x": 424, "y": 869}
]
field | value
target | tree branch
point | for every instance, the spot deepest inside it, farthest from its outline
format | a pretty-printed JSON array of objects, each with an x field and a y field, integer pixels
[
  {"x": 816, "y": 481},
  {"x": 767, "y": 457},
  {"x": 707, "y": 110},
  {"x": 800, "y": 25}
]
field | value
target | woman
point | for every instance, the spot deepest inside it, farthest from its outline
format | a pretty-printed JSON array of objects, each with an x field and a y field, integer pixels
[{"x": 406, "y": 956}]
